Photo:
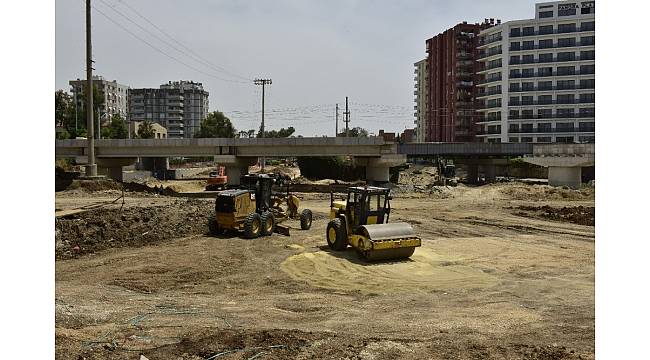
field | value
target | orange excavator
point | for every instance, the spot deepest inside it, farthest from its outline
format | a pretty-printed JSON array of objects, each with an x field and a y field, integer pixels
[{"x": 217, "y": 180}]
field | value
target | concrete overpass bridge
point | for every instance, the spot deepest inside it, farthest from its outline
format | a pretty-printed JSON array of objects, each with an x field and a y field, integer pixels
[{"x": 564, "y": 160}]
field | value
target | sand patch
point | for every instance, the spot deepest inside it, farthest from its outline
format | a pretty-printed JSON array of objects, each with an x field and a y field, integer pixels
[{"x": 424, "y": 271}]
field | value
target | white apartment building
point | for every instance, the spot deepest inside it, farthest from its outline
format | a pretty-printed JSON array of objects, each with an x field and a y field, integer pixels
[
  {"x": 421, "y": 94},
  {"x": 538, "y": 76},
  {"x": 115, "y": 97}
]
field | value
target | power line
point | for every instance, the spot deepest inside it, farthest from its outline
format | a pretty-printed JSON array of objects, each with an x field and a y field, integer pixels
[
  {"x": 195, "y": 56},
  {"x": 163, "y": 52}
]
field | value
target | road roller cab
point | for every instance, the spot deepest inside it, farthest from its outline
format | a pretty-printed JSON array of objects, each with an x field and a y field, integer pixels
[{"x": 361, "y": 221}]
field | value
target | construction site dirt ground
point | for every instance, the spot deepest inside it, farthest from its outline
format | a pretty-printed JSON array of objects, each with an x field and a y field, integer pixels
[{"x": 495, "y": 278}]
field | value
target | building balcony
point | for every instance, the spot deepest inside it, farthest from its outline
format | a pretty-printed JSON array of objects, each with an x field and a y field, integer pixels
[
  {"x": 545, "y": 61},
  {"x": 488, "y": 93},
  {"x": 483, "y": 42},
  {"x": 552, "y": 130},
  {"x": 554, "y": 46},
  {"x": 487, "y": 81},
  {"x": 488, "y": 132},
  {"x": 483, "y": 55},
  {"x": 552, "y": 116},
  {"x": 555, "y": 31},
  {"x": 551, "y": 102},
  {"x": 548, "y": 74}
]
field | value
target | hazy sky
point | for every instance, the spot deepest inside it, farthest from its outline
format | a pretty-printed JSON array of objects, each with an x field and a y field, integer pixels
[{"x": 316, "y": 52}]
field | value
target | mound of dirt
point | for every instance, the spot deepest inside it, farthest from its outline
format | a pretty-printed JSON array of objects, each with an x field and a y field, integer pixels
[
  {"x": 95, "y": 185},
  {"x": 520, "y": 191},
  {"x": 581, "y": 215},
  {"x": 424, "y": 271},
  {"x": 100, "y": 229}
]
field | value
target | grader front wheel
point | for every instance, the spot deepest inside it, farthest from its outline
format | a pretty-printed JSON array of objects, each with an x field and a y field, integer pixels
[
  {"x": 305, "y": 219},
  {"x": 252, "y": 225}
]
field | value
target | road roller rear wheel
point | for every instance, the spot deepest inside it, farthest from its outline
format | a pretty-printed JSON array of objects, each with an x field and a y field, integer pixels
[{"x": 336, "y": 235}]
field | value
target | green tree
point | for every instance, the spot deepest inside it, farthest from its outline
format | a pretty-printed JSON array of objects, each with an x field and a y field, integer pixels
[
  {"x": 117, "y": 129},
  {"x": 216, "y": 125},
  {"x": 63, "y": 108},
  {"x": 356, "y": 132},
  {"x": 145, "y": 130},
  {"x": 282, "y": 133}
]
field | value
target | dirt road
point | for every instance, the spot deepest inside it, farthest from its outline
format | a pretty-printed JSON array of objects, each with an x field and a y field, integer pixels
[{"x": 488, "y": 283}]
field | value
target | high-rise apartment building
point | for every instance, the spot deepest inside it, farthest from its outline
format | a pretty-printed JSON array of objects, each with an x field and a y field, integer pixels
[
  {"x": 115, "y": 97},
  {"x": 451, "y": 75},
  {"x": 421, "y": 97},
  {"x": 537, "y": 76},
  {"x": 179, "y": 106}
]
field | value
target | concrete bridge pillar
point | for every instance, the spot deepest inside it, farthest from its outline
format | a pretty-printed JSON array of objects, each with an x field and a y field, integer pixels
[
  {"x": 378, "y": 168},
  {"x": 114, "y": 166},
  {"x": 565, "y": 176},
  {"x": 564, "y": 162},
  {"x": 472, "y": 173},
  {"x": 490, "y": 173},
  {"x": 235, "y": 166}
]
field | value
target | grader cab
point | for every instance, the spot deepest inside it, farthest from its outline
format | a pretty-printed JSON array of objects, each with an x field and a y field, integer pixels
[{"x": 361, "y": 221}]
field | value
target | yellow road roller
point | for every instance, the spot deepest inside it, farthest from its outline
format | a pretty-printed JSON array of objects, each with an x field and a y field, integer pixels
[{"x": 361, "y": 221}]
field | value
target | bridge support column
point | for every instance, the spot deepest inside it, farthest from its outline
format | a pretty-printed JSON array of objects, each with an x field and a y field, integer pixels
[
  {"x": 114, "y": 166},
  {"x": 472, "y": 174},
  {"x": 490, "y": 173},
  {"x": 565, "y": 176},
  {"x": 235, "y": 167},
  {"x": 378, "y": 168}
]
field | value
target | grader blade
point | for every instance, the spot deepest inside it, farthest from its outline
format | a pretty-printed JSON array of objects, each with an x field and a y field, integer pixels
[{"x": 282, "y": 229}]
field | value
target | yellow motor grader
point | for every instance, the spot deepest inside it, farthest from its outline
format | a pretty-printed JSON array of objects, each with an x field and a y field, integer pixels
[
  {"x": 361, "y": 221},
  {"x": 256, "y": 210}
]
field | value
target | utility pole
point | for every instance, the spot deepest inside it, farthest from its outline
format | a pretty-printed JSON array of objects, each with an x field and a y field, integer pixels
[
  {"x": 336, "y": 133},
  {"x": 91, "y": 168},
  {"x": 263, "y": 82},
  {"x": 347, "y": 118}
]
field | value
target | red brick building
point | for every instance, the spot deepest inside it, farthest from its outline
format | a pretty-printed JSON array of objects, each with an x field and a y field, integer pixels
[{"x": 452, "y": 75}]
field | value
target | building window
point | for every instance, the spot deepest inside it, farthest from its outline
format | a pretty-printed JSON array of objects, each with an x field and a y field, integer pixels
[
  {"x": 526, "y": 139},
  {"x": 527, "y": 100},
  {"x": 544, "y": 113},
  {"x": 587, "y": 69},
  {"x": 544, "y": 127},
  {"x": 543, "y": 139},
  {"x": 514, "y": 32},
  {"x": 526, "y": 128},
  {"x": 514, "y": 46},
  {"x": 545, "y": 14},
  {"x": 587, "y": 40},
  {"x": 587, "y": 10},
  {"x": 565, "y": 70},
  {"x": 546, "y": 29},
  {"x": 545, "y": 71},
  {"x": 514, "y": 114},
  {"x": 587, "y": 83},
  {"x": 526, "y": 73},
  {"x": 564, "y": 127},
  {"x": 588, "y": 55},
  {"x": 528, "y": 30},
  {"x": 514, "y": 128},
  {"x": 566, "y": 56},
  {"x": 586, "y": 127},
  {"x": 588, "y": 26},
  {"x": 587, "y": 139},
  {"x": 546, "y": 44},
  {"x": 514, "y": 87},
  {"x": 564, "y": 139},
  {"x": 513, "y": 139},
  {"x": 566, "y": 12},
  {"x": 528, "y": 45},
  {"x": 587, "y": 98},
  {"x": 514, "y": 100},
  {"x": 515, "y": 73},
  {"x": 566, "y": 84},
  {"x": 566, "y": 28},
  {"x": 545, "y": 85},
  {"x": 527, "y": 114},
  {"x": 528, "y": 86},
  {"x": 566, "y": 98},
  {"x": 545, "y": 99},
  {"x": 546, "y": 57},
  {"x": 587, "y": 112},
  {"x": 566, "y": 42},
  {"x": 527, "y": 59}
]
